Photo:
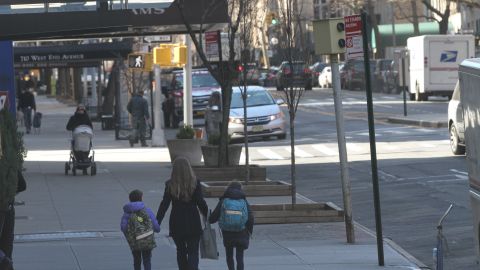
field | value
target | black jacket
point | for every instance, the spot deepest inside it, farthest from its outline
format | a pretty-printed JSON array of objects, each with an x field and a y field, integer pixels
[
  {"x": 79, "y": 119},
  {"x": 25, "y": 100},
  {"x": 236, "y": 239},
  {"x": 184, "y": 217}
]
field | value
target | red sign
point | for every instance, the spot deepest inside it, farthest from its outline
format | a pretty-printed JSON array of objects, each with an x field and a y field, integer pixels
[
  {"x": 211, "y": 43},
  {"x": 353, "y": 37}
]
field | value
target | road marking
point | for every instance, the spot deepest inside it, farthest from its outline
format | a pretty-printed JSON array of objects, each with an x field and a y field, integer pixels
[
  {"x": 457, "y": 171},
  {"x": 269, "y": 154},
  {"x": 299, "y": 152},
  {"x": 353, "y": 147},
  {"x": 324, "y": 149}
]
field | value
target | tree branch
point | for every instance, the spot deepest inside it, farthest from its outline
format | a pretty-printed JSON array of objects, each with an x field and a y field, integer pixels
[{"x": 432, "y": 8}]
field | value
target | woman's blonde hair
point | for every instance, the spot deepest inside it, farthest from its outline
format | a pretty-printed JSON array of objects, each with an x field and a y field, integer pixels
[{"x": 183, "y": 180}]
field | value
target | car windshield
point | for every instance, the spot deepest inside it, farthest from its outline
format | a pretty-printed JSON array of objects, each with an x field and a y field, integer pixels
[
  {"x": 254, "y": 98},
  {"x": 199, "y": 79}
]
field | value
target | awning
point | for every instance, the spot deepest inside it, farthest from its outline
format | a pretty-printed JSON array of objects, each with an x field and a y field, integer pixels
[
  {"x": 402, "y": 32},
  {"x": 113, "y": 23}
]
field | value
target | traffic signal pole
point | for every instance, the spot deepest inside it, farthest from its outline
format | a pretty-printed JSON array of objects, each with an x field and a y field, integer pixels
[
  {"x": 187, "y": 85},
  {"x": 158, "y": 135}
]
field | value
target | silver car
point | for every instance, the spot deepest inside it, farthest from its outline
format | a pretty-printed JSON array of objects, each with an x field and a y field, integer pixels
[
  {"x": 264, "y": 116},
  {"x": 456, "y": 125}
]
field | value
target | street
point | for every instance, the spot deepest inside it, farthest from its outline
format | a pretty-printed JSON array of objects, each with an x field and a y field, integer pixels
[{"x": 419, "y": 177}]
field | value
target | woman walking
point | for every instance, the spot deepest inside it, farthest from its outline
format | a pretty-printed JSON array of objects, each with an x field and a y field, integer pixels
[{"x": 184, "y": 192}]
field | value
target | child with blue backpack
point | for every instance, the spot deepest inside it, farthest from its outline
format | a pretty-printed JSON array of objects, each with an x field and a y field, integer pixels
[
  {"x": 235, "y": 219},
  {"x": 139, "y": 224}
]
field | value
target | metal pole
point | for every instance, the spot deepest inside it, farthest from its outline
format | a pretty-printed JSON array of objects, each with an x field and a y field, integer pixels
[
  {"x": 342, "y": 149},
  {"x": 373, "y": 150},
  {"x": 187, "y": 85},
  {"x": 158, "y": 135},
  {"x": 403, "y": 86},
  {"x": 394, "y": 40}
]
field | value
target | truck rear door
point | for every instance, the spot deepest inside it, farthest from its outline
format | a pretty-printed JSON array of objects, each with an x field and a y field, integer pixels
[{"x": 443, "y": 60}]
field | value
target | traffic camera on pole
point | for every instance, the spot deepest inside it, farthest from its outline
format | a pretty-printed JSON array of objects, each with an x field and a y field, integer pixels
[{"x": 329, "y": 36}]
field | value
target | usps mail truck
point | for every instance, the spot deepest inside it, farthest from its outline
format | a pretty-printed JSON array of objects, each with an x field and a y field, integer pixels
[{"x": 434, "y": 62}]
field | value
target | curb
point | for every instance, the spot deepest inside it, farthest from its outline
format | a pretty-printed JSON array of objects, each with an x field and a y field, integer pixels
[
  {"x": 396, "y": 247},
  {"x": 421, "y": 123}
]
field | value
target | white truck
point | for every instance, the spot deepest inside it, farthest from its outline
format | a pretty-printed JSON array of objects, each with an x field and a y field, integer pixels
[{"x": 433, "y": 63}]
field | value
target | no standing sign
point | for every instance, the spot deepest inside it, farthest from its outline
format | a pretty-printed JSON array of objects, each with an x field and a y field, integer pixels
[{"x": 353, "y": 37}]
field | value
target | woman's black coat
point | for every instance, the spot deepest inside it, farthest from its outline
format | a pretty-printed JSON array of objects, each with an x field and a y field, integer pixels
[
  {"x": 78, "y": 119},
  {"x": 234, "y": 239},
  {"x": 184, "y": 217}
]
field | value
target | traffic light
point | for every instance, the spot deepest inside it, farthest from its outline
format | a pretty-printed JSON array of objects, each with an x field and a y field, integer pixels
[
  {"x": 162, "y": 56},
  {"x": 271, "y": 18},
  {"x": 329, "y": 36},
  {"x": 140, "y": 61},
  {"x": 180, "y": 55}
]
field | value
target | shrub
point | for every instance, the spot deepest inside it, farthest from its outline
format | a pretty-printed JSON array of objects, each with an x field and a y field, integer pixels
[
  {"x": 186, "y": 132},
  {"x": 214, "y": 139}
]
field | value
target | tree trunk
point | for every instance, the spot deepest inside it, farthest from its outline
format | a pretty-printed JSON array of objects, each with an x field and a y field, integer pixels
[
  {"x": 416, "y": 29},
  {"x": 223, "y": 147},
  {"x": 293, "y": 173}
]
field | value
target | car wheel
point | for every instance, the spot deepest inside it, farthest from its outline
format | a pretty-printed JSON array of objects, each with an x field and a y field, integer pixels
[
  {"x": 308, "y": 86},
  {"x": 455, "y": 146}
]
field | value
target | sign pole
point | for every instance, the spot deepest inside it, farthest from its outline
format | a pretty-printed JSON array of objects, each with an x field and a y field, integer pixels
[
  {"x": 403, "y": 83},
  {"x": 373, "y": 150},
  {"x": 158, "y": 135},
  {"x": 187, "y": 86}
]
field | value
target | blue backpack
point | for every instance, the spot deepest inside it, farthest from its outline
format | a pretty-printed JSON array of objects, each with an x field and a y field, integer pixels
[{"x": 233, "y": 215}]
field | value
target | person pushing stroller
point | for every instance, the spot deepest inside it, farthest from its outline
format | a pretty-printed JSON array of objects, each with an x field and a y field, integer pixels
[{"x": 81, "y": 127}]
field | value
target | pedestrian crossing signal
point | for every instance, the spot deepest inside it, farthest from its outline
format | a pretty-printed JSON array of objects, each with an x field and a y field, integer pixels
[{"x": 140, "y": 61}]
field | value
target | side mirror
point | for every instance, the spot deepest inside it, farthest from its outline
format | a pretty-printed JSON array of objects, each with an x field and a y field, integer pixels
[
  {"x": 215, "y": 108},
  {"x": 280, "y": 101}
]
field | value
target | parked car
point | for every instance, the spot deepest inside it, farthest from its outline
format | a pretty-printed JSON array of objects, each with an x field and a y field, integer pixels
[
  {"x": 354, "y": 75},
  {"x": 315, "y": 70},
  {"x": 325, "y": 77},
  {"x": 203, "y": 85},
  {"x": 264, "y": 116},
  {"x": 456, "y": 125},
  {"x": 252, "y": 74},
  {"x": 300, "y": 76},
  {"x": 267, "y": 77},
  {"x": 382, "y": 66}
]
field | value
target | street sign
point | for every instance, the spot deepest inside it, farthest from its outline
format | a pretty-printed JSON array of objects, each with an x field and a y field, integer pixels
[
  {"x": 211, "y": 43},
  {"x": 353, "y": 37},
  {"x": 140, "y": 61}
]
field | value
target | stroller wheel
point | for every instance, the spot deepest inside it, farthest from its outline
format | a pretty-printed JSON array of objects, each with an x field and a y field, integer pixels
[
  {"x": 93, "y": 169},
  {"x": 67, "y": 168}
]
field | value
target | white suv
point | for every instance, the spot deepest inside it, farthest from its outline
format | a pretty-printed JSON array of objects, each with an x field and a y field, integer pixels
[{"x": 456, "y": 125}]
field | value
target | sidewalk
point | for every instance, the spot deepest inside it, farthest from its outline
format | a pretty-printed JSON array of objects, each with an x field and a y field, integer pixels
[{"x": 72, "y": 222}]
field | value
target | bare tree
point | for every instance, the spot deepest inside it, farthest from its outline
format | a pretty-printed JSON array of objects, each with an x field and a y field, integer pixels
[
  {"x": 246, "y": 37},
  {"x": 292, "y": 92},
  {"x": 225, "y": 73},
  {"x": 444, "y": 16}
]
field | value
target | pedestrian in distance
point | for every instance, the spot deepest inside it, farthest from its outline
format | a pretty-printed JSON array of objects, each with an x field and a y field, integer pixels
[
  {"x": 139, "y": 224},
  {"x": 183, "y": 191},
  {"x": 235, "y": 219},
  {"x": 138, "y": 108},
  {"x": 26, "y": 103}
]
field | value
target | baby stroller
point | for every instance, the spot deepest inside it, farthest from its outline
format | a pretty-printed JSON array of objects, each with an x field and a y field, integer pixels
[{"x": 80, "y": 158}]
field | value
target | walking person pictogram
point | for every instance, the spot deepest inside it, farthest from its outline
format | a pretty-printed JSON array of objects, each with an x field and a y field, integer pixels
[{"x": 139, "y": 61}]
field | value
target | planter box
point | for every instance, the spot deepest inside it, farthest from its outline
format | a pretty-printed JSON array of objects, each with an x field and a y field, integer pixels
[
  {"x": 228, "y": 174},
  {"x": 303, "y": 213},
  {"x": 254, "y": 188},
  {"x": 188, "y": 148},
  {"x": 210, "y": 154}
]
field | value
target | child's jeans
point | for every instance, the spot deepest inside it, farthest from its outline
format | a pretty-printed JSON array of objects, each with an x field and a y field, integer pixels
[{"x": 142, "y": 255}]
